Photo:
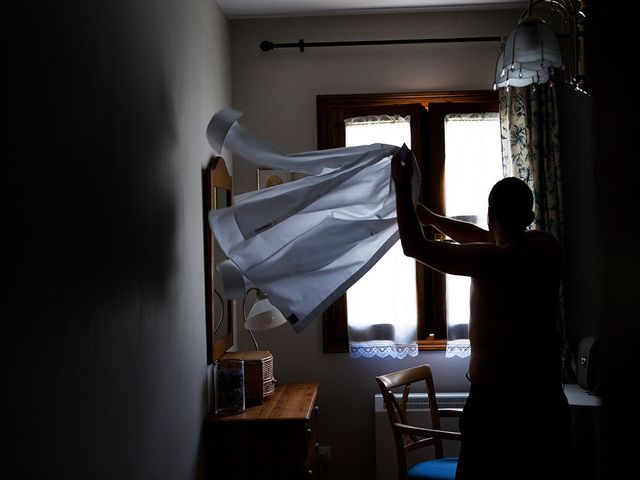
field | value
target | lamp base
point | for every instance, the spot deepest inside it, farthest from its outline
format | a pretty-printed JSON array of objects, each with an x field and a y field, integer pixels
[{"x": 258, "y": 374}]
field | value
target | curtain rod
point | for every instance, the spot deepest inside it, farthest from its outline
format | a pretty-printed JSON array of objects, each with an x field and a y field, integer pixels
[{"x": 267, "y": 46}]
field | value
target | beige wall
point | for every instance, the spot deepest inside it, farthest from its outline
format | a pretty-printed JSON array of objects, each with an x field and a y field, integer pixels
[{"x": 277, "y": 91}]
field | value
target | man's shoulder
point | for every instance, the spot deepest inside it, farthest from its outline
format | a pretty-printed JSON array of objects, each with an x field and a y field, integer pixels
[
  {"x": 542, "y": 237},
  {"x": 541, "y": 234},
  {"x": 543, "y": 244}
]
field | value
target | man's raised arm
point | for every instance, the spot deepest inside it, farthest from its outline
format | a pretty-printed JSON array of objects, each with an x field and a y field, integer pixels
[{"x": 458, "y": 230}]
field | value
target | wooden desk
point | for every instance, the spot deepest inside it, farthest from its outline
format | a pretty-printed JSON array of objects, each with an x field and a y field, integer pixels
[{"x": 275, "y": 440}]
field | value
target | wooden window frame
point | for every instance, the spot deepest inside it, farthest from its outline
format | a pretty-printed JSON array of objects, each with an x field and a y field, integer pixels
[{"x": 428, "y": 145}]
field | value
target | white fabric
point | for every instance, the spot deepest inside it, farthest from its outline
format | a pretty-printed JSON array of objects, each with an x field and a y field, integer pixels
[
  {"x": 458, "y": 348},
  {"x": 380, "y": 349},
  {"x": 304, "y": 243},
  {"x": 472, "y": 167},
  {"x": 382, "y": 305}
]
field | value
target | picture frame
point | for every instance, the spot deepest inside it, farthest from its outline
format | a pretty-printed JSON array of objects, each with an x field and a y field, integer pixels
[
  {"x": 267, "y": 177},
  {"x": 217, "y": 193}
]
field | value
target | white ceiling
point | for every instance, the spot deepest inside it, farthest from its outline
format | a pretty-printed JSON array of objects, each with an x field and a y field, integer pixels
[{"x": 283, "y": 8}]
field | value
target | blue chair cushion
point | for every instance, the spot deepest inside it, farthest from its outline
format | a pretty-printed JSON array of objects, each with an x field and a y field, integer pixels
[{"x": 440, "y": 469}]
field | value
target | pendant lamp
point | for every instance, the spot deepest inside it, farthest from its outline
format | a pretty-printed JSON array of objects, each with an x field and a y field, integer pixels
[
  {"x": 529, "y": 56},
  {"x": 532, "y": 51}
]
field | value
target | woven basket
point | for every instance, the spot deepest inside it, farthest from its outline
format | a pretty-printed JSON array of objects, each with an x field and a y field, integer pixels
[{"x": 258, "y": 373}]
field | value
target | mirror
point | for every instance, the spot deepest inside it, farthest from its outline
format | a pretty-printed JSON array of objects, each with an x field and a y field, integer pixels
[{"x": 217, "y": 193}]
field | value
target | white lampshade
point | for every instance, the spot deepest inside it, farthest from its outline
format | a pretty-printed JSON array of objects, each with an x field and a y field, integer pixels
[
  {"x": 520, "y": 77},
  {"x": 263, "y": 315},
  {"x": 531, "y": 50}
]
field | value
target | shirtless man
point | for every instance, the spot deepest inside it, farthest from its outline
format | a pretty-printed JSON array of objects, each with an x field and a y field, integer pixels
[{"x": 515, "y": 424}]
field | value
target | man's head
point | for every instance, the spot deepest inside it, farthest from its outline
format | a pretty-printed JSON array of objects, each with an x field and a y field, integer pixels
[{"x": 511, "y": 204}]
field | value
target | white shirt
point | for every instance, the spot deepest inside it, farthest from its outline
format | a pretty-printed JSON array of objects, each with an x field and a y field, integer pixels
[{"x": 305, "y": 242}]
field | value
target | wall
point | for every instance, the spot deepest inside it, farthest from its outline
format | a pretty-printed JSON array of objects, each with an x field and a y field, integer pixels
[
  {"x": 617, "y": 172},
  {"x": 277, "y": 91},
  {"x": 581, "y": 284},
  {"x": 108, "y": 104}
]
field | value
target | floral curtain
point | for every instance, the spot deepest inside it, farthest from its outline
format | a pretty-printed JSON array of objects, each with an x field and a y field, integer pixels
[{"x": 531, "y": 151}]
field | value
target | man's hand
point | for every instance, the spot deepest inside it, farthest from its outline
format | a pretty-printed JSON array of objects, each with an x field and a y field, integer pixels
[{"x": 402, "y": 168}]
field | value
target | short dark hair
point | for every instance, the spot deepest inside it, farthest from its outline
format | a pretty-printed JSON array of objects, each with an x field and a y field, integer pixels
[{"x": 511, "y": 200}]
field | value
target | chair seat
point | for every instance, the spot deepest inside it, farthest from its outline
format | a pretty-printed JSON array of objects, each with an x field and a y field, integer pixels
[{"x": 439, "y": 469}]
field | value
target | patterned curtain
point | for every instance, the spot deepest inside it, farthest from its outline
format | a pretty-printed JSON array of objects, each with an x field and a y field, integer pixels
[{"x": 531, "y": 151}]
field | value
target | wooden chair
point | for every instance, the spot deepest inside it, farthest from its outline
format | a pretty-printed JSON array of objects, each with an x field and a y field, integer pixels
[{"x": 411, "y": 437}]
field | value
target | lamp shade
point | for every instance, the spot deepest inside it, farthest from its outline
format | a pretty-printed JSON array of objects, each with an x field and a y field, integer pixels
[
  {"x": 518, "y": 77},
  {"x": 531, "y": 50},
  {"x": 263, "y": 315}
]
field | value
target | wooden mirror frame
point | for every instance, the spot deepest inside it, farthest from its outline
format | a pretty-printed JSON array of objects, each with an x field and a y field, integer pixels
[{"x": 214, "y": 177}]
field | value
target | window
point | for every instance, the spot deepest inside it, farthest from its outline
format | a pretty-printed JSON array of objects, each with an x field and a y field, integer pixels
[
  {"x": 472, "y": 167},
  {"x": 427, "y": 113},
  {"x": 388, "y": 289}
]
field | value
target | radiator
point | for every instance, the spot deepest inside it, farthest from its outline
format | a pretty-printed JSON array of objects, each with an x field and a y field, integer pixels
[{"x": 418, "y": 414}]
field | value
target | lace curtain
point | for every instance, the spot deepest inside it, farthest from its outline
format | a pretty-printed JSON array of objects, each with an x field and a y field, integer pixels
[
  {"x": 531, "y": 151},
  {"x": 382, "y": 305},
  {"x": 473, "y": 153}
]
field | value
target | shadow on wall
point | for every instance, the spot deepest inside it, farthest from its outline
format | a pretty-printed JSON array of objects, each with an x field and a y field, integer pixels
[
  {"x": 91, "y": 199},
  {"x": 90, "y": 215}
]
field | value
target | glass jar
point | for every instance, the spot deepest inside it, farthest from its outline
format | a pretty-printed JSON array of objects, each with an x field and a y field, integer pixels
[{"x": 228, "y": 386}]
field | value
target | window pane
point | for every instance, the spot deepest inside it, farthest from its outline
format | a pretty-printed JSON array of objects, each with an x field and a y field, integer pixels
[
  {"x": 388, "y": 129},
  {"x": 387, "y": 292},
  {"x": 473, "y": 164}
]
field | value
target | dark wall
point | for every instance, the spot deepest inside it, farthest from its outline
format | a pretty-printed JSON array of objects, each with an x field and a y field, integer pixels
[
  {"x": 616, "y": 217},
  {"x": 108, "y": 103},
  {"x": 90, "y": 174}
]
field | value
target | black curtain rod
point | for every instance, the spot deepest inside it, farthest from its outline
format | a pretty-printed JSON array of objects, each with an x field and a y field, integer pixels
[{"x": 267, "y": 46}]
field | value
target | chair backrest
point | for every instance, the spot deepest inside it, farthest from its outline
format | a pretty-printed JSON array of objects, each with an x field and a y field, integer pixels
[{"x": 401, "y": 382}]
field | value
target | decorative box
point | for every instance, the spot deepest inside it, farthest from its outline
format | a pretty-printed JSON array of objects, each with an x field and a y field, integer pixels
[
  {"x": 258, "y": 373},
  {"x": 228, "y": 386}
]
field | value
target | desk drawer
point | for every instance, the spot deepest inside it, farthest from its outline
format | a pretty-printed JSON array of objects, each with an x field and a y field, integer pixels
[
  {"x": 277, "y": 439},
  {"x": 311, "y": 463}
]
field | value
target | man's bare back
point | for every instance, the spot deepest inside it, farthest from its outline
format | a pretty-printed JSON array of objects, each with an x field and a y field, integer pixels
[
  {"x": 515, "y": 278},
  {"x": 507, "y": 329}
]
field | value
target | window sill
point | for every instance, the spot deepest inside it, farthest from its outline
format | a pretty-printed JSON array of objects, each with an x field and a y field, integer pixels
[{"x": 432, "y": 344}]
